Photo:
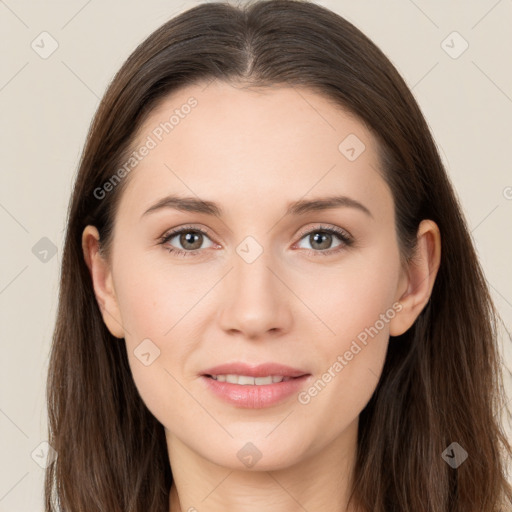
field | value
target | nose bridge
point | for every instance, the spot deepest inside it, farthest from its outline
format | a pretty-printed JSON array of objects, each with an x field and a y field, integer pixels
[
  {"x": 251, "y": 272},
  {"x": 254, "y": 301}
]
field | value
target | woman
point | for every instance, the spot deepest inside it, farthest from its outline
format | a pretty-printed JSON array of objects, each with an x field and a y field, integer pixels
[{"x": 204, "y": 358}]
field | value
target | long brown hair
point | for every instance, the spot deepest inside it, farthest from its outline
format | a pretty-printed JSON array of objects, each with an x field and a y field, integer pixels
[{"x": 441, "y": 381}]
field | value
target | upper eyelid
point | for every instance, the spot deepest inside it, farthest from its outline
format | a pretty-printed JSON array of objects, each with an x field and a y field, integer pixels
[
  {"x": 171, "y": 233},
  {"x": 325, "y": 228}
]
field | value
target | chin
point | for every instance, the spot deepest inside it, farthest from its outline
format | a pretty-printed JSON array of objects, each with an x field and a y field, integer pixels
[{"x": 255, "y": 453}]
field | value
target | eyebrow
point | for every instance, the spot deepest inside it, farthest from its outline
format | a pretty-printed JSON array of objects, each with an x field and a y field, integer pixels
[{"x": 300, "y": 207}]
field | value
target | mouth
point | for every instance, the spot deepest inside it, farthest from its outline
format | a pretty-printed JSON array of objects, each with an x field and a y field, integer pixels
[
  {"x": 247, "y": 380},
  {"x": 254, "y": 387}
]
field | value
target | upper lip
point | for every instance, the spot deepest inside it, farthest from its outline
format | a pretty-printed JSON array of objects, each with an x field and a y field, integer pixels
[{"x": 261, "y": 370}]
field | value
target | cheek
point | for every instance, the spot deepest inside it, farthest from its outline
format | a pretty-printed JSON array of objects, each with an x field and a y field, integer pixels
[
  {"x": 355, "y": 304},
  {"x": 154, "y": 294},
  {"x": 352, "y": 296},
  {"x": 157, "y": 304}
]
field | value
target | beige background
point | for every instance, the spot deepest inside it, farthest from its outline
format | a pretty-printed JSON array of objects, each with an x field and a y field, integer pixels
[{"x": 46, "y": 105}]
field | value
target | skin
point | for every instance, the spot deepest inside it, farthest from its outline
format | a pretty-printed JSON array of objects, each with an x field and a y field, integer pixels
[{"x": 254, "y": 152}]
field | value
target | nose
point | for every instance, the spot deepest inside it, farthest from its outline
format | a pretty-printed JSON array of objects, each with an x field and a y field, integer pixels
[{"x": 255, "y": 301}]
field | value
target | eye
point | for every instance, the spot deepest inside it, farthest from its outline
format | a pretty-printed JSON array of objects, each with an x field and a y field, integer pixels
[
  {"x": 321, "y": 239},
  {"x": 190, "y": 238}
]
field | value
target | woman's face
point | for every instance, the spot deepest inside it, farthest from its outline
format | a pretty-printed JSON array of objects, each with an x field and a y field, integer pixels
[{"x": 266, "y": 283}]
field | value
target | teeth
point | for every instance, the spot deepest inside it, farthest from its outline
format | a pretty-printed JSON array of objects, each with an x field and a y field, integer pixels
[{"x": 245, "y": 380}]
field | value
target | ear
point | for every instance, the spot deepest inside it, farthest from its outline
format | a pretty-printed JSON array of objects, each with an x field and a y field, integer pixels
[
  {"x": 102, "y": 281},
  {"x": 417, "y": 280}
]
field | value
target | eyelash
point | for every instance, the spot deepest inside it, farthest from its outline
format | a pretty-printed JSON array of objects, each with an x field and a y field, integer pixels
[{"x": 346, "y": 240}]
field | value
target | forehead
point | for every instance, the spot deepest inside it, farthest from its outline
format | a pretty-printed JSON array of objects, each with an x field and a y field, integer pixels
[{"x": 214, "y": 138}]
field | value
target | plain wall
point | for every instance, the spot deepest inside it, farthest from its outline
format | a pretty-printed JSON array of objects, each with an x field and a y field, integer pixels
[{"x": 46, "y": 106}]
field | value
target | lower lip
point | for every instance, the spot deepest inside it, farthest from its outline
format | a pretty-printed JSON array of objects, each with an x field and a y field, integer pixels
[{"x": 252, "y": 396}]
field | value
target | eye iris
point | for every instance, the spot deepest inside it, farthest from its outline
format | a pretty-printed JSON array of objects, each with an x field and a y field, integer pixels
[
  {"x": 315, "y": 240},
  {"x": 188, "y": 238}
]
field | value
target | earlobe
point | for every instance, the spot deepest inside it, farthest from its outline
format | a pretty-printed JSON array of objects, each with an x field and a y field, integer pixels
[
  {"x": 418, "y": 278},
  {"x": 101, "y": 276}
]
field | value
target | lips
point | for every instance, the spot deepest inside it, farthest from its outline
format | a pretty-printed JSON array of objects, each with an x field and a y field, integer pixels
[{"x": 247, "y": 386}]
